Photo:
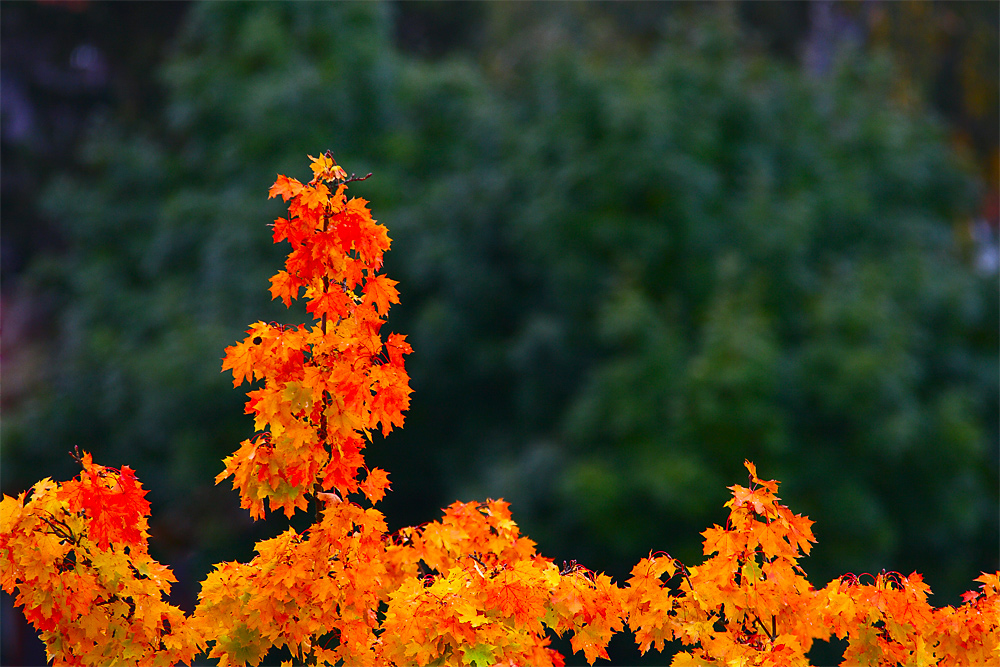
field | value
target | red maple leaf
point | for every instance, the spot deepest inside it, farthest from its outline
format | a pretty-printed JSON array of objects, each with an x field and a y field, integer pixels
[
  {"x": 348, "y": 229},
  {"x": 113, "y": 502}
]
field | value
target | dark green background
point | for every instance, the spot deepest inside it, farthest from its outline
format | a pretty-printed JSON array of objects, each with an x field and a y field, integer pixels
[{"x": 636, "y": 245}]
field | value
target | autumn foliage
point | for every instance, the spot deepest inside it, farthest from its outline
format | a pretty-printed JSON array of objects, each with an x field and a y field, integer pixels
[{"x": 467, "y": 589}]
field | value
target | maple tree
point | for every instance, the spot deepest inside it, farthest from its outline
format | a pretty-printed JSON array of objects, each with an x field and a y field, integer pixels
[
  {"x": 77, "y": 553},
  {"x": 749, "y": 603},
  {"x": 467, "y": 589}
]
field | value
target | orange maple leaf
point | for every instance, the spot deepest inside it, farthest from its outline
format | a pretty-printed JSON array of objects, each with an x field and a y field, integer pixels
[
  {"x": 285, "y": 187},
  {"x": 380, "y": 292},
  {"x": 239, "y": 358},
  {"x": 375, "y": 484},
  {"x": 285, "y": 286}
]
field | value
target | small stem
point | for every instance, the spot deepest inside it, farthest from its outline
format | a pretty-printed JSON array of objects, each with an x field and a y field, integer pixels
[
  {"x": 62, "y": 529},
  {"x": 323, "y": 432},
  {"x": 317, "y": 489},
  {"x": 326, "y": 278},
  {"x": 770, "y": 635}
]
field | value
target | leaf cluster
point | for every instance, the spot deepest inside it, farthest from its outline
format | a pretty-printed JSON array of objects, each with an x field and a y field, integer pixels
[{"x": 76, "y": 553}]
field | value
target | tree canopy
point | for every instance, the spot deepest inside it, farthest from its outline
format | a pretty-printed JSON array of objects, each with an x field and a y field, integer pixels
[{"x": 629, "y": 264}]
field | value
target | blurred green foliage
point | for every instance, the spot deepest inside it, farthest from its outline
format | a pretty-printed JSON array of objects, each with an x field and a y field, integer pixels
[{"x": 626, "y": 265}]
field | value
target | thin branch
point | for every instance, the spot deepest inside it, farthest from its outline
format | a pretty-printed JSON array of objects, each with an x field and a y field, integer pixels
[{"x": 772, "y": 633}]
